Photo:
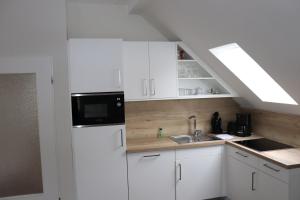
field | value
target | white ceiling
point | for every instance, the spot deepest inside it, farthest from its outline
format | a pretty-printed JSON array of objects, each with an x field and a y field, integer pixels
[
  {"x": 269, "y": 30},
  {"x": 122, "y": 2}
]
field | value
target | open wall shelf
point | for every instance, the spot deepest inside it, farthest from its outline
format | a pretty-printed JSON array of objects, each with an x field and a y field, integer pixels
[{"x": 194, "y": 79}]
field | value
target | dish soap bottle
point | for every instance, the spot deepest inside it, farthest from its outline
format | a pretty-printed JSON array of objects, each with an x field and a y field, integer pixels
[{"x": 160, "y": 133}]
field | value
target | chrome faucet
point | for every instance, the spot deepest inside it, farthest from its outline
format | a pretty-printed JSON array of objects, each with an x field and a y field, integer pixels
[{"x": 195, "y": 133}]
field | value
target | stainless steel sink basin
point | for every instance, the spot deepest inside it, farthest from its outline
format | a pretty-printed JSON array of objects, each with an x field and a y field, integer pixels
[{"x": 183, "y": 139}]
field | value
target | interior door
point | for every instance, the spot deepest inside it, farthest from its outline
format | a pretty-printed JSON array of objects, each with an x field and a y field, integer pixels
[
  {"x": 136, "y": 70},
  {"x": 163, "y": 70},
  {"x": 27, "y": 139}
]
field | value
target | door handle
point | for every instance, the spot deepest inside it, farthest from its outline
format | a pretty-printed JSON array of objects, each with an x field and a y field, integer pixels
[
  {"x": 180, "y": 171},
  {"x": 152, "y": 83},
  {"x": 118, "y": 78},
  {"x": 122, "y": 138},
  {"x": 252, "y": 184},
  {"x": 145, "y": 87}
]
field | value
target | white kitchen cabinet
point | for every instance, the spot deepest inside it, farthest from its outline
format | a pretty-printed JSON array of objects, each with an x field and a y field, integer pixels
[
  {"x": 151, "y": 175},
  {"x": 199, "y": 173},
  {"x": 100, "y": 163},
  {"x": 247, "y": 183},
  {"x": 240, "y": 180},
  {"x": 270, "y": 188},
  {"x": 163, "y": 72},
  {"x": 95, "y": 65},
  {"x": 136, "y": 70},
  {"x": 150, "y": 70},
  {"x": 251, "y": 178}
]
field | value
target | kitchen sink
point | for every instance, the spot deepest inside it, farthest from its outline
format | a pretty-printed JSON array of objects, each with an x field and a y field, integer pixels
[{"x": 183, "y": 139}]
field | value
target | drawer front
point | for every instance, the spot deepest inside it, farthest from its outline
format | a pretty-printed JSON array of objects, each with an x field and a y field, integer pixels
[
  {"x": 242, "y": 156},
  {"x": 151, "y": 175},
  {"x": 274, "y": 170},
  {"x": 199, "y": 152}
]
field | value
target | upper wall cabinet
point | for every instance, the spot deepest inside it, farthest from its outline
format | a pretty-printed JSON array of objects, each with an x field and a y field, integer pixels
[
  {"x": 150, "y": 70},
  {"x": 95, "y": 65},
  {"x": 196, "y": 79},
  {"x": 168, "y": 70}
]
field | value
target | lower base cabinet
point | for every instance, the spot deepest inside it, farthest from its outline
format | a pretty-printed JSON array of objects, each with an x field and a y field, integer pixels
[
  {"x": 190, "y": 174},
  {"x": 151, "y": 176},
  {"x": 270, "y": 188},
  {"x": 199, "y": 173},
  {"x": 253, "y": 178},
  {"x": 239, "y": 180}
]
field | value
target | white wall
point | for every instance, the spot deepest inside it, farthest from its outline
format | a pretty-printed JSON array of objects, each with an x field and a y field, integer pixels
[
  {"x": 108, "y": 21},
  {"x": 38, "y": 27}
]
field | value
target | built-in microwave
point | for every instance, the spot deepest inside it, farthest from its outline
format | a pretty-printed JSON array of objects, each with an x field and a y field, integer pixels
[{"x": 98, "y": 109}]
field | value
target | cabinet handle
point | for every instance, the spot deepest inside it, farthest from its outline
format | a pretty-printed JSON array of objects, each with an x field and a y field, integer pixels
[
  {"x": 117, "y": 78},
  {"x": 152, "y": 83},
  {"x": 245, "y": 156},
  {"x": 252, "y": 185},
  {"x": 272, "y": 168},
  {"x": 180, "y": 171},
  {"x": 145, "y": 87},
  {"x": 122, "y": 138},
  {"x": 151, "y": 156}
]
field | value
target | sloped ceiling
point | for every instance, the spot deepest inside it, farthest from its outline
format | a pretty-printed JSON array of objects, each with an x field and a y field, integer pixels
[{"x": 269, "y": 30}]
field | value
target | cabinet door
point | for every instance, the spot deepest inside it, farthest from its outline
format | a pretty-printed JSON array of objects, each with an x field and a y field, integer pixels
[
  {"x": 241, "y": 180},
  {"x": 100, "y": 163},
  {"x": 270, "y": 188},
  {"x": 151, "y": 175},
  {"x": 199, "y": 173},
  {"x": 136, "y": 70},
  {"x": 163, "y": 70},
  {"x": 95, "y": 65}
]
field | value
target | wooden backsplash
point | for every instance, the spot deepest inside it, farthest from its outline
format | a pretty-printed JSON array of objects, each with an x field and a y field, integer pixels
[
  {"x": 277, "y": 126},
  {"x": 143, "y": 119}
]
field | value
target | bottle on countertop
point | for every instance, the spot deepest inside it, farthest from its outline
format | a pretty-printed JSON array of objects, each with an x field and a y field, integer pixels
[{"x": 160, "y": 133}]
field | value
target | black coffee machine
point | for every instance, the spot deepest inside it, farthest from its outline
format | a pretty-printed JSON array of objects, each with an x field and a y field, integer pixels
[{"x": 242, "y": 126}]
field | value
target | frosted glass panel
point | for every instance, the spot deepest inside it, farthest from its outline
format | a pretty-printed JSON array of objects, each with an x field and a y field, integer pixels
[{"x": 20, "y": 165}]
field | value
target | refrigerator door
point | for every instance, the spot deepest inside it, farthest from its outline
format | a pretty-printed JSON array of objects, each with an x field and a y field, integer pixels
[{"x": 100, "y": 163}]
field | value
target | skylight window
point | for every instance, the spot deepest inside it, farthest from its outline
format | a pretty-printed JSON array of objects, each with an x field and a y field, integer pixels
[{"x": 251, "y": 74}]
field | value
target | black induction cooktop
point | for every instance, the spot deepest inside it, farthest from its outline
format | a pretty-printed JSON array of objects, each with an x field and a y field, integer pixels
[{"x": 263, "y": 144}]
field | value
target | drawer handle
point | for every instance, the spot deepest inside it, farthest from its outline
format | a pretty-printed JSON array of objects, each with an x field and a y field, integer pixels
[
  {"x": 245, "y": 156},
  {"x": 272, "y": 168},
  {"x": 151, "y": 156}
]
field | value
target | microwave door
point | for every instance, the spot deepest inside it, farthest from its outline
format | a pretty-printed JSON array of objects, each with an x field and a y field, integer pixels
[{"x": 98, "y": 110}]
